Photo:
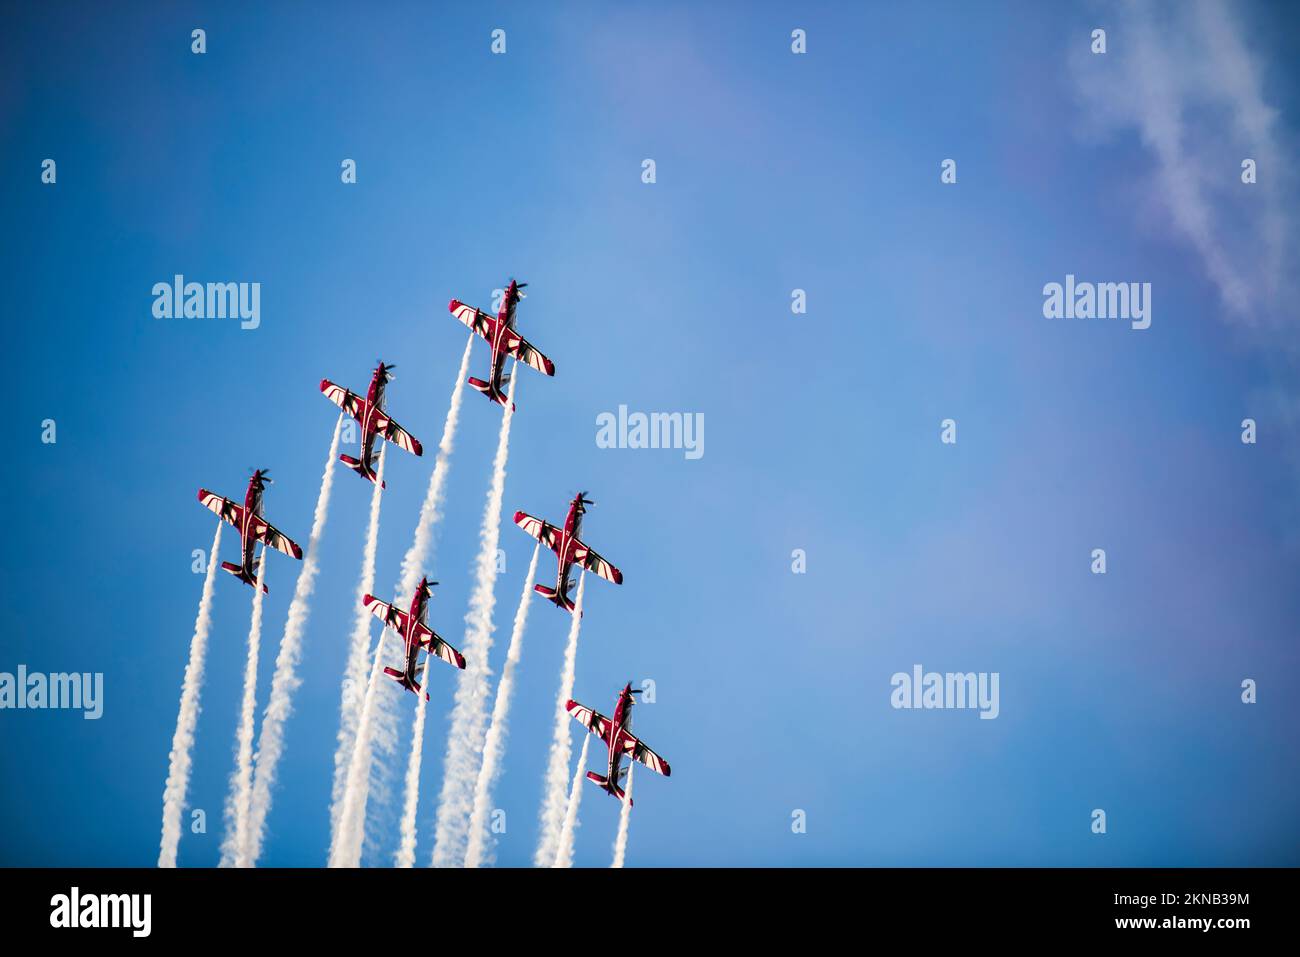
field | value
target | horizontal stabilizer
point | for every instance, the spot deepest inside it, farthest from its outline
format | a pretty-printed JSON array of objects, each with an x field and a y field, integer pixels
[
  {"x": 238, "y": 572},
  {"x": 603, "y": 783},
  {"x": 555, "y": 598},
  {"x": 365, "y": 471}
]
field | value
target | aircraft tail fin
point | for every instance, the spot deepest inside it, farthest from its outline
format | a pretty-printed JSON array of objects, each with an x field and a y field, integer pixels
[
  {"x": 603, "y": 783},
  {"x": 365, "y": 471},
  {"x": 410, "y": 684},
  {"x": 555, "y": 598},
  {"x": 238, "y": 572},
  {"x": 495, "y": 394}
]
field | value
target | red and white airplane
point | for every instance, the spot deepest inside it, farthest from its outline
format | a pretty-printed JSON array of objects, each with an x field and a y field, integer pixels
[
  {"x": 569, "y": 550},
  {"x": 618, "y": 737},
  {"x": 504, "y": 340},
  {"x": 369, "y": 412},
  {"x": 253, "y": 528},
  {"x": 414, "y": 628}
]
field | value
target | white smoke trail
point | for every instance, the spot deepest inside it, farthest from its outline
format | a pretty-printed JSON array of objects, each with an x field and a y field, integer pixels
[
  {"x": 564, "y": 852},
  {"x": 178, "y": 771},
  {"x": 345, "y": 850},
  {"x": 354, "y": 677},
  {"x": 468, "y": 716},
  {"x": 413, "y": 565},
  {"x": 554, "y": 798},
  {"x": 620, "y": 842},
  {"x": 285, "y": 681},
  {"x": 241, "y": 779},
  {"x": 417, "y": 556},
  {"x": 494, "y": 744},
  {"x": 378, "y": 809},
  {"x": 405, "y": 856}
]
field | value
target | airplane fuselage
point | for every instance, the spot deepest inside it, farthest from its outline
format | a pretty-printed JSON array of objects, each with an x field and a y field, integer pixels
[
  {"x": 567, "y": 547},
  {"x": 414, "y": 618},
  {"x": 374, "y": 406},
  {"x": 252, "y": 512},
  {"x": 622, "y": 720},
  {"x": 505, "y": 323},
  {"x": 498, "y": 354},
  {"x": 413, "y": 627}
]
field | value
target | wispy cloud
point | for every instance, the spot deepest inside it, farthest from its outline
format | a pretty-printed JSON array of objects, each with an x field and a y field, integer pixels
[{"x": 1185, "y": 79}]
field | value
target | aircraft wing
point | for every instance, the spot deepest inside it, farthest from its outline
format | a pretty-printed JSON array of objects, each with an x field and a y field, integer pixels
[
  {"x": 270, "y": 535},
  {"x": 527, "y": 353},
  {"x": 589, "y": 560},
  {"x": 434, "y": 645},
  {"x": 544, "y": 532},
  {"x": 351, "y": 403},
  {"x": 226, "y": 510},
  {"x": 593, "y": 721},
  {"x": 633, "y": 746},
  {"x": 476, "y": 319},
  {"x": 392, "y": 617},
  {"x": 394, "y": 433}
]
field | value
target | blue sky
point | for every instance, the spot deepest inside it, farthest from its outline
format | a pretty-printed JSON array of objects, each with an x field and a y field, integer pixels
[{"x": 774, "y": 172}]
